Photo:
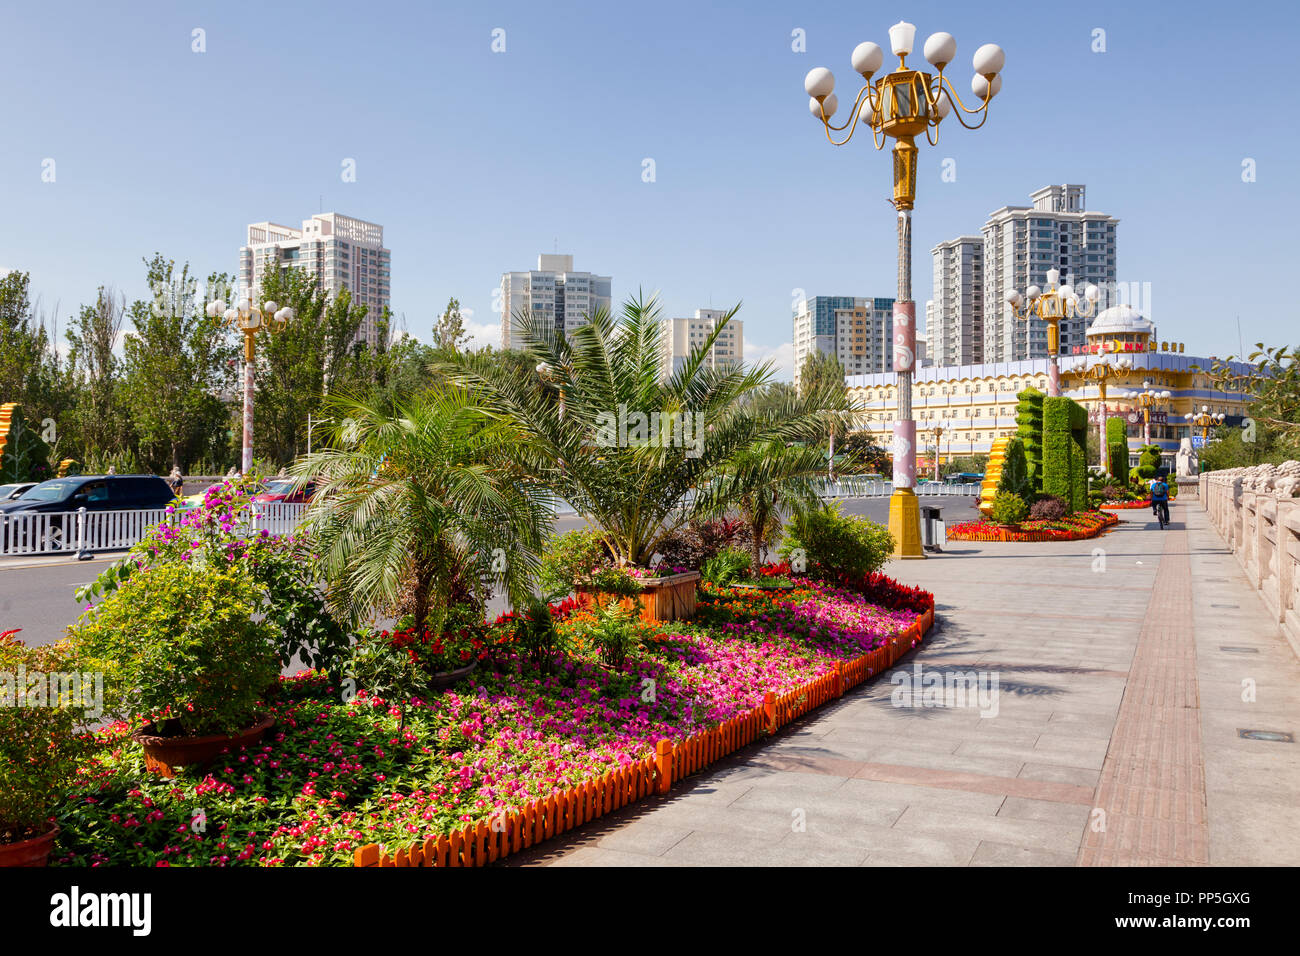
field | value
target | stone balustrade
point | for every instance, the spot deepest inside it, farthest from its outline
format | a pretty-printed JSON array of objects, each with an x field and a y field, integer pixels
[{"x": 1256, "y": 510}]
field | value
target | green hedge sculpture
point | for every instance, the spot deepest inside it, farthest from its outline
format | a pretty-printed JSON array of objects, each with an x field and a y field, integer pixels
[
  {"x": 1065, "y": 466},
  {"x": 1117, "y": 449},
  {"x": 1029, "y": 429}
]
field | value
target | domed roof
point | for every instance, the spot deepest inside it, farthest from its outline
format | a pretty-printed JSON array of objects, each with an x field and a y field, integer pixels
[{"x": 1120, "y": 320}]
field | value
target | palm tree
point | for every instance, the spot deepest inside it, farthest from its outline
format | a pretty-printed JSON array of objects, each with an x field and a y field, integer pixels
[
  {"x": 419, "y": 509},
  {"x": 637, "y": 453}
]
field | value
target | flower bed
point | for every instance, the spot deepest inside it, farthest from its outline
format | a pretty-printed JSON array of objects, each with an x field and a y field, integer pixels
[
  {"x": 342, "y": 774},
  {"x": 1121, "y": 505},
  {"x": 1075, "y": 527}
]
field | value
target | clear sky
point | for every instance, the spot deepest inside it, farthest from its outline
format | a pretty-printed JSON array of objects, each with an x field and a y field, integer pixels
[{"x": 475, "y": 161}]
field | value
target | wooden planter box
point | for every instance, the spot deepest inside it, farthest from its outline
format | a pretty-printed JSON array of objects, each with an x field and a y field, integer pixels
[{"x": 669, "y": 598}]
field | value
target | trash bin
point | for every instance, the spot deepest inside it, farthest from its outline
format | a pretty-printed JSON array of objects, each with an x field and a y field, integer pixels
[{"x": 933, "y": 533}]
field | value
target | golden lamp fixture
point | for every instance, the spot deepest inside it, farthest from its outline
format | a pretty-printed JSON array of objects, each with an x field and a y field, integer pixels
[{"x": 904, "y": 103}]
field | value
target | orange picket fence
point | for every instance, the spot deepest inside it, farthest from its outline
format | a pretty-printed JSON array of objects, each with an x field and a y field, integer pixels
[{"x": 490, "y": 840}]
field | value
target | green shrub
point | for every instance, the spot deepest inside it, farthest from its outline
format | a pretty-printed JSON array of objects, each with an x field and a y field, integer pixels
[
  {"x": 1015, "y": 471},
  {"x": 571, "y": 559},
  {"x": 834, "y": 543},
  {"x": 726, "y": 567},
  {"x": 616, "y": 633},
  {"x": 1148, "y": 462},
  {"x": 1047, "y": 508},
  {"x": 40, "y": 743},
  {"x": 1029, "y": 429},
  {"x": 537, "y": 639},
  {"x": 182, "y": 643},
  {"x": 1117, "y": 448},
  {"x": 1008, "y": 509}
]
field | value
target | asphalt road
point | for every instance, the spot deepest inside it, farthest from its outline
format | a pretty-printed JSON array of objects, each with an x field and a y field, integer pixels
[{"x": 37, "y": 594}]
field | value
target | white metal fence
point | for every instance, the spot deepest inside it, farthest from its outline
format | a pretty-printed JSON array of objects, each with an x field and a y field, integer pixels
[{"x": 85, "y": 532}]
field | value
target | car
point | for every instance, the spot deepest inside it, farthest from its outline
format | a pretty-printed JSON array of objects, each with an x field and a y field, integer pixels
[
  {"x": 282, "y": 490},
  {"x": 14, "y": 489},
  {"x": 57, "y": 496}
]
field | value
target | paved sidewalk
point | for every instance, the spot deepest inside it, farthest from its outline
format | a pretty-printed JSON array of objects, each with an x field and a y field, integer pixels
[{"x": 1122, "y": 664}]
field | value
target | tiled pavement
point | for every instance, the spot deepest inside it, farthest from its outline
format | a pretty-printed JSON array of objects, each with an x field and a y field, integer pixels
[{"x": 1125, "y": 669}]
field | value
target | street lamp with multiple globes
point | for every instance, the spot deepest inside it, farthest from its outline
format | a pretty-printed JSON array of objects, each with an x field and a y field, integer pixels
[
  {"x": 937, "y": 431},
  {"x": 1150, "y": 399},
  {"x": 1205, "y": 421},
  {"x": 1052, "y": 306},
  {"x": 901, "y": 105},
  {"x": 249, "y": 319},
  {"x": 1102, "y": 373}
]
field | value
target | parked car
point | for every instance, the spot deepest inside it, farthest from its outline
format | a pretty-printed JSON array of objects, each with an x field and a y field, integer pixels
[
  {"x": 92, "y": 492},
  {"x": 282, "y": 490},
  {"x": 14, "y": 489}
]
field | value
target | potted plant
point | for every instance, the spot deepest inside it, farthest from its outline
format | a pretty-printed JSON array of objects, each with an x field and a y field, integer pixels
[
  {"x": 183, "y": 651},
  {"x": 41, "y": 712}
]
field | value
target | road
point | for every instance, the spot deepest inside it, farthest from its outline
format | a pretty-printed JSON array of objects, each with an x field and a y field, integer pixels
[{"x": 36, "y": 594}]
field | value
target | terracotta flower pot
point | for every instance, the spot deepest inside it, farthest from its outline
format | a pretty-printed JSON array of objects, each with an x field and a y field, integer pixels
[
  {"x": 33, "y": 852},
  {"x": 164, "y": 754},
  {"x": 444, "y": 679}
]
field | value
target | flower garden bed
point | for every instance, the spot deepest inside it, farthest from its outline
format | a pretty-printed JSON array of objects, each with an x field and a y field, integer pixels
[
  {"x": 1122, "y": 505},
  {"x": 509, "y": 757},
  {"x": 1075, "y": 527}
]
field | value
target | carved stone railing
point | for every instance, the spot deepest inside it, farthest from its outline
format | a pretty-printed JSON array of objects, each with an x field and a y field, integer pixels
[{"x": 1257, "y": 512}]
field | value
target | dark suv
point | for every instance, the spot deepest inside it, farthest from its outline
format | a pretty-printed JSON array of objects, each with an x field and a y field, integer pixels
[{"x": 92, "y": 492}]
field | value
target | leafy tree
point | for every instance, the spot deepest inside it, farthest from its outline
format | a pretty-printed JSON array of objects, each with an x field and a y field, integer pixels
[
  {"x": 821, "y": 371},
  {"x": 623, "y": 445},
  {"x": 99, "y": 416},
  {"x": 298, "y": 365},
  {"x": 30, "y": 371},
  {"x": 176, "y": 364},
  {"x": 414, "y": 509},
  {"x": 1015, "y": 472},
  {"x": 449, "y": 331}
]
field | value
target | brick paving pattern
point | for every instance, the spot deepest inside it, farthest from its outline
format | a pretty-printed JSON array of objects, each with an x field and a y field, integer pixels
[{"x": 1150, "y": 803}]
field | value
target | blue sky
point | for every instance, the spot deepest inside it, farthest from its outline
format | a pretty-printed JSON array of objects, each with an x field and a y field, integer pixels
[{"x": 475, "y": 161}]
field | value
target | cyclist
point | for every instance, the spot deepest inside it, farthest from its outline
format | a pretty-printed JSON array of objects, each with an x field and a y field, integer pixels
[{"x": 1160, "y": 500}]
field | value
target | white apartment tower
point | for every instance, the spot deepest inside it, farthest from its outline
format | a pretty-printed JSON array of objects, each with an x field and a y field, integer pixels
[
  {"x": 680, "y": 337},
  {"x": 554, "y": 292},
  {"x": 954, "y": 318},
  {"x": 858, "y": 331},
  {"x": 341, "y": 252},
  {"x": 1020, "y": 244}
]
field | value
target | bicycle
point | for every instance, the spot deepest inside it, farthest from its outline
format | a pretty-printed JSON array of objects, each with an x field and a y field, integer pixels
[{"x": 1161, "y": 508}]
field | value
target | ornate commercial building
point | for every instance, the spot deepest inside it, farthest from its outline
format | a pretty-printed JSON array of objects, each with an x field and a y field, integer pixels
[{"x": 976, "y": 404}]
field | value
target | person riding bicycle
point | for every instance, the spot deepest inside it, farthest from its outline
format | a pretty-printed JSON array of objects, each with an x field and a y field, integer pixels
[{"x": 1160, "y": 499}]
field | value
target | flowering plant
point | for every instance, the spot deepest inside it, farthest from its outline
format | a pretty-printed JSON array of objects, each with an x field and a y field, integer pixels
[
  {"x": 219, "y": 535},
  {"x": 39, "y": 741}
]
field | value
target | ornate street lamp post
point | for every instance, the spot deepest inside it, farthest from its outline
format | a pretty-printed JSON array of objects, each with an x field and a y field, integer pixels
[
  {"x": 1102, "y": 373},
  {"x": 1150, "y": 399},
  {"x": 1052, "y": 306},
  {"x": 248, "y": 318},
  {"x": 937, "y": 432},
  {"x": 901, "y": 105},
  {"x": 1205, "y": 421}
]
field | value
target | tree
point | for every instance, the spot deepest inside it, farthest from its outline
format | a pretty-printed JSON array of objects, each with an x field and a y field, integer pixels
[
  {"x": 176, "y": 364},
  {"x": 415, "y": 508},
  {"x": 626, "y": 447},
  {"x": 30, "y": 371},
  {"x": 1015, "y": 472},
  {"x": 1271, "y": 433},
  {"x": 449, "y": 331},
  {"x": 99, "y": 417},
  {"x": 821, "y": 371},
  {"x": 301, "y": 363}
]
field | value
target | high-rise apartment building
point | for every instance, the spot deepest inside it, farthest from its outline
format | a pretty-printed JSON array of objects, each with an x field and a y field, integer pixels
[
  {"x": 341, "y": 252},
  {"x": 553, "y": 291},
  {"x": 680, "y": 337},
  {"x": 954, "y": 318},
  {"x": 858, "y": 331},
  {"x": 1020, "y": 244}
]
